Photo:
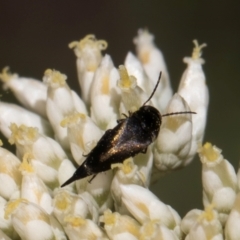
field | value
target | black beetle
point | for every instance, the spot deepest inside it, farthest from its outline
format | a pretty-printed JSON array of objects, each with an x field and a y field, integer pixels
[{"x": 131, "y": 136}]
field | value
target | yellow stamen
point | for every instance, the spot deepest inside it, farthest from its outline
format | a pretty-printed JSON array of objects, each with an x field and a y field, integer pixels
[
  {"x": 109, "y": 218},
  {"x": 128, "y": 166},
  {"x": 197, "y": 51},
  {"x": 209, "y": 152},
  {"x": 6, "y": 75},
  {"x": 72, "y": 119},
  {"x": 56, "y": 77},
  {"x": 26, "y": 164},
  {"x": 22, "y": 133},
  {"x": 62, "y": 201},
  {"x": 75, "y": 221},
  {"x": 208, "y": 214},
  {"x": 126, "y": 82}
]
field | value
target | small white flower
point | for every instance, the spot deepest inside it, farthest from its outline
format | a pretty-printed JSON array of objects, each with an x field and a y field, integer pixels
[
  {"x": 83, "y": 134},
  {"x": 66, "y": 204},
  {"x": 194, "y": 90},
  {"x": 61, "y": 101},
  {"x": 88, "y": 52},
  {"x": 156, "y": 231},
  {"x": 8, "y": 113},
  {"x": 202, "y": 225},
  {"x": 135, "y": 68},
  {"x": 33, "y": 189},
  {"x": 35, "y": 99},
  {"x": 153, "y": 63},
  {"x": 132, "y": 95},
  {"x": 80, "y": 228},
  {"x": 145, "y": 206},
  {"x": 29, "y": 219},
  {"x": 219, "y": 180},
  {"x": 29, "y": 140},
  {"x": 116, "y": 225},
  {"x": 175, "y": 137},
  {"x": 105, "y": 94},
  {"x": 137, "y": 172}
]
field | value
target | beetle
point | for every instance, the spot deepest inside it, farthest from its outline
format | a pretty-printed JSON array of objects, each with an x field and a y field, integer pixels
[{"x": 131, "y": 136}]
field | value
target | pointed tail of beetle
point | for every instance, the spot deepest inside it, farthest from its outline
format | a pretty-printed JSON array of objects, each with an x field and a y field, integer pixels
[
  {"x": 80, "y": 173},
  {"x": 70, "y": 180}
]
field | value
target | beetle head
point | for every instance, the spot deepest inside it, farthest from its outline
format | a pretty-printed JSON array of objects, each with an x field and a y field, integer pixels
[{"x": 150, "y": 119}]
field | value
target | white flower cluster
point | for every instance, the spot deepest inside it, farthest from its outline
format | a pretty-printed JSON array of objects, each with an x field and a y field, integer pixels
[{"x": 55, "y": 129}]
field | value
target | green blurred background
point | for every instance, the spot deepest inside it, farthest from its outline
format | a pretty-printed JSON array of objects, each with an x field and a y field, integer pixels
[{"x": 34, "y": 36}]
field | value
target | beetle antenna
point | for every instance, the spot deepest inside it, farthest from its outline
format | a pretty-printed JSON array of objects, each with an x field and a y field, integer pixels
[
  {"x": 176, "y": 113},
  {"x": 155, "y": 88}
]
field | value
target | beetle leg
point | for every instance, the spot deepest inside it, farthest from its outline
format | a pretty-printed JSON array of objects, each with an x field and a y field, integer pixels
[
  {"x": 92, "y": 178},
  {"x": 123, "y": 119}
]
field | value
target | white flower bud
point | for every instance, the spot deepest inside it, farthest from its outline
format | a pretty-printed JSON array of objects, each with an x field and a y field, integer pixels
[
  {"x": 132, "y": 95},
  {"x": 11, "y": 113},
  {"x": 219, "y": 180},
  {"x": 88, "y": 52},
  {"x": 104, "y": 94},
  {"x": 135, "y": 68},
  {"x": 60, "y": 102},
  {"x": 194, "y": 90},
  {"x": 232, "y": 230},
  {"x": 33, "y": 189},
  {"x": 29, "y": 219},
  {"x": 145, "y": 206},
  {"x": 174, "y": 140},
  {"x": 155, "y": 231},
  {"x": 153, "y": 63},
  {"x": 29, "y": 140},
  {"x": 131, "y": 173},
  {"x": 10, "y": 177},
  {"x": 83, "y": 135},
  {"x": 79, "y": 228},
  {"x": 30, "y": 93},
  {"x": 66, "y": 203},
  {"x": 201, "y": 225},
  {"x": 116, "y": 224}
]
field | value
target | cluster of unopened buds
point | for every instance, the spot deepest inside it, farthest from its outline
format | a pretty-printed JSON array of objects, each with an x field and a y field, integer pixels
[{"x": 54, "y": 129}]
